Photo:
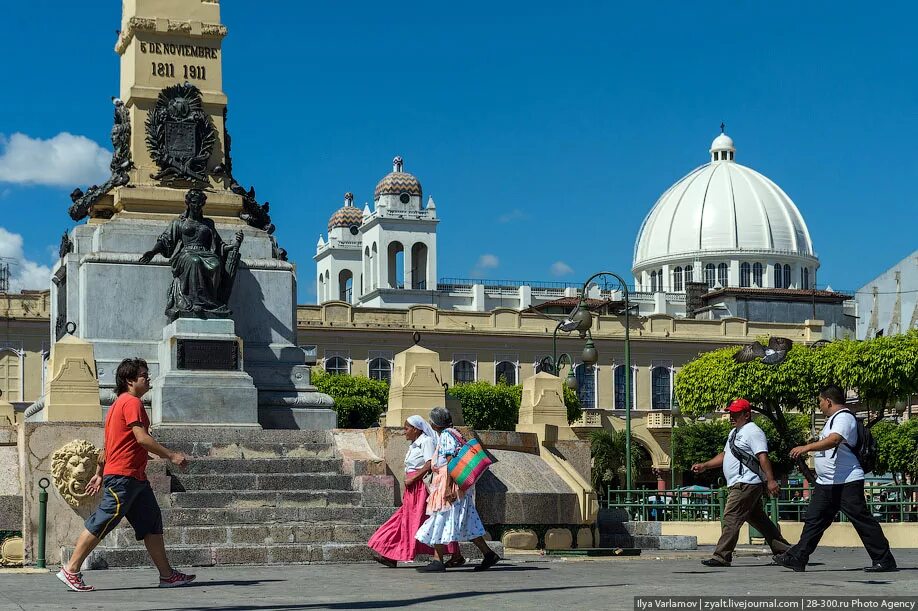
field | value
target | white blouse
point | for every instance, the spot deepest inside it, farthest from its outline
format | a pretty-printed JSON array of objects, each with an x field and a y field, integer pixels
[{"x": 419, "y": 452}]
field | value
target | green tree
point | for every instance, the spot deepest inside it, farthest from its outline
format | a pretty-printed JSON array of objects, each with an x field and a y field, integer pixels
[
  {"x": 883, "y": 370},
  {"x": 488, "y": 407},
  {"x": 897, "y": 446},
  {"x": 359, "y": 401},
  {"x": 697, "y": 442},
  {"x": 608, "y": 449},
  {"x": 572, "y": 402}
]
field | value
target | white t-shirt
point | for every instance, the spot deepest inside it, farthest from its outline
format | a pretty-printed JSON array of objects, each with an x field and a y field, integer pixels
[
  {"x": 419, "y": 452},
  {"x": 839, "y": 467},
  {"x": 751, "y": 439}
]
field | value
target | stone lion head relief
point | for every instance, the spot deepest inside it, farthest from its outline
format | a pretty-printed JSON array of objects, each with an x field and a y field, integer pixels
[{"x": 72, "y": 466}]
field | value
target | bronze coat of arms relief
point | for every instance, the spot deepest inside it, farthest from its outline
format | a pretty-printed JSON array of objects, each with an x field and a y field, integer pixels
[{"x": 180, "y": 135}]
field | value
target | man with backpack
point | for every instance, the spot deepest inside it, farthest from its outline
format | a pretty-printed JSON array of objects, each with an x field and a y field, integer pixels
[
  {"x": 845, "y": 450},
  {"x": 748, "y": 472}
]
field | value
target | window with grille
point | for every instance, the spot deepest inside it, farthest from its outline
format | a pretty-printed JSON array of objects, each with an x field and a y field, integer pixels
[
  {"x": 677, "y": 279},
  {"x": 787, "y": 276},
  {"x": 709, "y": 272},
  {"x": 463, "y": 371},
  {"x": 779, "y": 279},
  {"x": 757, "y": 274},
  {"x": 661, "y": 388},
  {"x": 722, "y": 274},
  {"x": 745, "y": 275},
  {"x": 337, "y": 365},
  {"x": 586, "y": 385},
  {"x": 381, "y": 369},
  {"x": 619, "y": 381},
  {"x": 505, "y": 373}
]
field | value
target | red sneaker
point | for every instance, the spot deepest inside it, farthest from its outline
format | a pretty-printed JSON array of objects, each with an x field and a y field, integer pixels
[
  {"x": 74, "y": 581},
  {"x": 176, "y": 579}
]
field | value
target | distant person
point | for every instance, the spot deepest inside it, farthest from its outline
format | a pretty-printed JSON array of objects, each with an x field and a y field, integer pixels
[
  {"x": 121, "y": 473},
  {"x": 839, "y": 486},
  {"x": 748, "y": 472},
  {"x": 394, "y": 541},
  {"x": 452, "y": 513}
]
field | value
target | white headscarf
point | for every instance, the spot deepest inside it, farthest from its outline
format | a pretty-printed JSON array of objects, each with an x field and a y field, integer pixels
[{"x": 419, "y": 423}]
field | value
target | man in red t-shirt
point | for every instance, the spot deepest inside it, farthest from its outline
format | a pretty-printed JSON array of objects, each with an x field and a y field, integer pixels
[{"x": 122, "y": 474}]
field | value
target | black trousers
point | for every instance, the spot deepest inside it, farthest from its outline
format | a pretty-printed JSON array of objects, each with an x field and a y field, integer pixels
[{"x": 825, "y": 503}]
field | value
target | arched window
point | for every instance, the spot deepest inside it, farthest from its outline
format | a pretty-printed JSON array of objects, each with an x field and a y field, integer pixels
[
  {"x": 505, "y": 373},
  {"x": 779, "y": 279},
  {"x": 745, "y": 275},
  {"x": 688, "y": 273},
  {"x": 709, "y": 275},
  {"x": 381, "y": 369},
  {"x": 677, "y": 279},
  {"x": 337, "y": 365},
  {"x": 787, "y": 276},
  {"x": 463, "y": 371},
  {"x": 396, "y": 263},
  {"x": 345, "y": 285},
  {"x": 619, "y": 381},
  {"x": 661, "y": 388},
  {"x": 374, "y": 268},
  {"x": 806, "y": 278},
  {"x": 320, "y": 289},
  {"x": 757, "y": 274},
  {"x": 653, "y": 282},
  {"x": 586, "y": 385},
  {"x": 419, "y": 266},
  {"x": 722, "y": 274}
]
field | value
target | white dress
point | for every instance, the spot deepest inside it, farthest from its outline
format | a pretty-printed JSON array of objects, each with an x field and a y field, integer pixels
[{"x": 459, "y": 521}]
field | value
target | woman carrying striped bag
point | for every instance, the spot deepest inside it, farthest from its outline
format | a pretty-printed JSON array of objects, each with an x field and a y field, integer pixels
[{"x": 452, "y": 513}]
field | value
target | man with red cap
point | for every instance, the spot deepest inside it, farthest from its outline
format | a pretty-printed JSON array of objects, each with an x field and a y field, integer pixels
[{"x": 748, "y": 471}]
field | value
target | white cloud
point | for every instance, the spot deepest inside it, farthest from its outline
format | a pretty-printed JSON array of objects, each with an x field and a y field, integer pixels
[
  {"x": 484, "y": 263},
  {"x": 514, "y": 215},
  {"x": 24, "y": 274},
  {"x": 64, "y": 160},
  {"x": 560, "y": 268}
]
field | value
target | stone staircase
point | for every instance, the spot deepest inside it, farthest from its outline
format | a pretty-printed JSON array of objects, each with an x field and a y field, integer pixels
[
  {"x": 258, "y": 497},
  {"x": 616, "y": 530}
]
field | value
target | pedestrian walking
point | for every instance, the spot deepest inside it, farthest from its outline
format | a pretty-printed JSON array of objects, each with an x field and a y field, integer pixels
[
  {"x": 839, "y": 487},
  {"x": 452, "y": 513},
  {"x": 749, "y": 474},
  {"x": 121, "y": 475},
  {"x": 394, "y": 541}
]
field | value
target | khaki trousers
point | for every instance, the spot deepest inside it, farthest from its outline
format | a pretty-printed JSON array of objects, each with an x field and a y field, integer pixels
[{"x": 744, "y": 505}]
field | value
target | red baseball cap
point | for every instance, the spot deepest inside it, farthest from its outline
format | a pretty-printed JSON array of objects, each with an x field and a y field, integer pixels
[{"x": 739, "y": 405}]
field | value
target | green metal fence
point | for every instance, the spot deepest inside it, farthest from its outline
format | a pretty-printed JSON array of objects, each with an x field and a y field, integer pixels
[{"x": 887, "y": 503}]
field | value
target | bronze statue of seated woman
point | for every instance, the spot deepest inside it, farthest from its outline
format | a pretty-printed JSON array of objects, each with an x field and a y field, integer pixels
[{"x": 203, "y": 265}]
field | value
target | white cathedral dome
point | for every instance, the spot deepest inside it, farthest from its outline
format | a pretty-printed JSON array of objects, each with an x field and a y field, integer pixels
[{"x": 723, "y": 212}]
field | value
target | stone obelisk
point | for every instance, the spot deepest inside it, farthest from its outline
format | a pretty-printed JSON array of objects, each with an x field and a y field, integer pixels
[{"x": 169, "y": 139}]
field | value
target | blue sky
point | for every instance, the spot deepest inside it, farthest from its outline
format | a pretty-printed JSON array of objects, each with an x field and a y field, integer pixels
[{"x": 544, "y": 131}]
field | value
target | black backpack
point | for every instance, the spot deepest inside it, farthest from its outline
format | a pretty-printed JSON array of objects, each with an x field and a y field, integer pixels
[{"x": 865, "y": 450}]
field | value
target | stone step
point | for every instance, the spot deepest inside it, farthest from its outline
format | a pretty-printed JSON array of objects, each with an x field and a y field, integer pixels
[
  {"x": 261, "y": 481},
  {"x": 272, "y": 515},
  {"x": 226, "y": 466},
  {"x": 186, "y": 556},
  {"x": 251, "y": 450},
  {"x": 242, "y": 435},
  {"x": 251, "y": 534},
  {"x": 668, "y": 542},
  {"x": 243, "y": 499}
]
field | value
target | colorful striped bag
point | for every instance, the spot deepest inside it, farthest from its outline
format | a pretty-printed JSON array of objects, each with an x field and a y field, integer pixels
[{"x": 469, "y": 463}]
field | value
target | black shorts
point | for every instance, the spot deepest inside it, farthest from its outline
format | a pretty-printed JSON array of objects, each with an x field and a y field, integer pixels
[{"x": 126, "y": 497}]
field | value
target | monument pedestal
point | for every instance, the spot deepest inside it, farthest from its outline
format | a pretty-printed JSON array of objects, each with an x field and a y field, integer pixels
[{"x": 201, "y": 380}]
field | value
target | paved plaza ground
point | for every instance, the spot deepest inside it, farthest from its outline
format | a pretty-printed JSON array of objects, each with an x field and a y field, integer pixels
[{"x": 522, "y": 582}]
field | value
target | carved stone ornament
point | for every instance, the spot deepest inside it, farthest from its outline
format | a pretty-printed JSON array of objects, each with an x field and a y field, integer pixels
[
  {"x": 72, "y": 466},
  {"x": 180, "y": 135},
  {"x": 120, "y": 165},
  {"x": 66, "y": 245}
]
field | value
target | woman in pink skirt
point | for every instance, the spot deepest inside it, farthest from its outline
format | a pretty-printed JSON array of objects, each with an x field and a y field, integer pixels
[{"x": 394, "y": 541}]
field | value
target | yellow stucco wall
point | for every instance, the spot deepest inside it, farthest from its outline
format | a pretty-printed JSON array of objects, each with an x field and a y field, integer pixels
[
  {"x": 840, "y": 534},
  {"x": 24, "y": 341}
]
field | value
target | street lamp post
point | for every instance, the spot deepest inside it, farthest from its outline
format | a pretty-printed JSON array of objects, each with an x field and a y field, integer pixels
[{"x": 581, "y": 320}]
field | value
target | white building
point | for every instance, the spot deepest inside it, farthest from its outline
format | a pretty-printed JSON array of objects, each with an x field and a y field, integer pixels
[
  {"x": 723, "y": 224},
  {"x": 888, "y": 304}
]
